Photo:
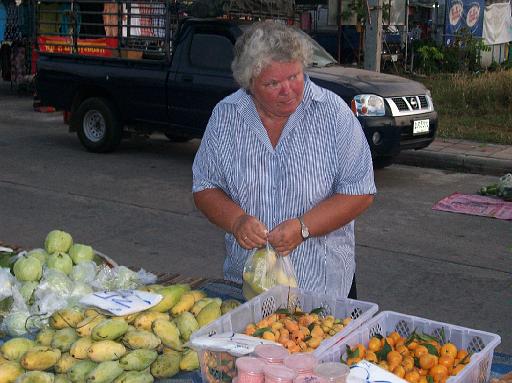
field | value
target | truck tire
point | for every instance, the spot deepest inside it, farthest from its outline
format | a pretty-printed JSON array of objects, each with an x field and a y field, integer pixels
[{"x": 98, "y": 126}]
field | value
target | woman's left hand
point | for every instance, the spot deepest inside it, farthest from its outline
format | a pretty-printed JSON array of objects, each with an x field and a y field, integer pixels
[{"x": 286, "y": 236}]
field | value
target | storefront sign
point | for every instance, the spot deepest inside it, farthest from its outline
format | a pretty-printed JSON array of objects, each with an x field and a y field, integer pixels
[
  {"x": 88, "y": 47},
  {"x": 468, "y": 14}
]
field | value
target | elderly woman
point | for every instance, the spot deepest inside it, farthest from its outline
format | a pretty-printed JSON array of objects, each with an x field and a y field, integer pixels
[{"x": 285, "y": 161}]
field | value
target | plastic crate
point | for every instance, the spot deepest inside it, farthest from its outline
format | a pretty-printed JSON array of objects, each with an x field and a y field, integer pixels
[
  {"x": 281, "y": 297},
  {"x": 480, "y": 343}
]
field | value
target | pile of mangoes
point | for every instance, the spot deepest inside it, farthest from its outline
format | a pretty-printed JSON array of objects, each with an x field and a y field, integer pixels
[
  {"x": 296, "y": 330},
  {"x": 84, "y": 345}
]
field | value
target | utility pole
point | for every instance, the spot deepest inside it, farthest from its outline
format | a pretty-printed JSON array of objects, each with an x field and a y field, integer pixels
[{"x": 373, "y": 36}]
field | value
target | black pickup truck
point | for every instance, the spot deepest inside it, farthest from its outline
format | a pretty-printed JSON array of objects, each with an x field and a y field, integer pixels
[{"x": 112, "y": 98}]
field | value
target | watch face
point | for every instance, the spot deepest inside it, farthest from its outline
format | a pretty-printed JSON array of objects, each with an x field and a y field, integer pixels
[{"x": 305, "y": 232}]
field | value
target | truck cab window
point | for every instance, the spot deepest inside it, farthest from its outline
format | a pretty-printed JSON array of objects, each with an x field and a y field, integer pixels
[{"x": 204, "y": 46}]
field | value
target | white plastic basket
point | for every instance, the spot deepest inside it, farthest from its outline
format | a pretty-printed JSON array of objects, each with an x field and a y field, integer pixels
[
  {"x": 480, "y": 343},
  {"x": 282, "y": 297}
]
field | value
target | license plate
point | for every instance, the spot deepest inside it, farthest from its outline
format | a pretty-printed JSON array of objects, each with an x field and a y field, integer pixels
[
  {"x": 394, "y": 58},
  {"x": 420, "y": 127}
]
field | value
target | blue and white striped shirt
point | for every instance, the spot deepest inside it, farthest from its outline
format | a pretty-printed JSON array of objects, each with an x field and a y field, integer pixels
[{"x": 322, "y": 151}]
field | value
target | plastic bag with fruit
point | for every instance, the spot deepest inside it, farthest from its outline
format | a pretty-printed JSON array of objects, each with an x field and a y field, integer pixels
[{"x": 264, "y": 269}]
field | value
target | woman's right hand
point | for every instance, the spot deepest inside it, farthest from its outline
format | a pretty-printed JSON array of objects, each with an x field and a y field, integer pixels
[{"x": 249, "y": 232}]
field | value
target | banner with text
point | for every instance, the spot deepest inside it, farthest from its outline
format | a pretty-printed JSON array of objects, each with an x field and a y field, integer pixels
[
  {"x": 87, "y": 47},
  {"x": 468, "y": 14}
]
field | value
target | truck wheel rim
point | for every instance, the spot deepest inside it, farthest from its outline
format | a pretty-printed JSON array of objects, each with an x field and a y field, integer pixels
[{"x": 94, "y": 126}]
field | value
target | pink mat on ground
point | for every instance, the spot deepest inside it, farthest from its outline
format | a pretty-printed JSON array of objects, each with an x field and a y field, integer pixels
[{"x": 475, "y": 205}]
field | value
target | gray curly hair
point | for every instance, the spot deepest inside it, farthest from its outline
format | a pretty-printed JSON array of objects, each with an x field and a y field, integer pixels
[{"x": 264, "y": 42}]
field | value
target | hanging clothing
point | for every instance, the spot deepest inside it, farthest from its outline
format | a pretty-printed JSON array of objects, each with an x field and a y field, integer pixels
[
  {"x": 3, "y": 19},
  {"x": 69, "y": 19},
  {"x": 49, "y": 18},
  {"x": 14, "y": 19},
  {"x": 111, "y": 19},
  {"x": 18, "y": 66}
]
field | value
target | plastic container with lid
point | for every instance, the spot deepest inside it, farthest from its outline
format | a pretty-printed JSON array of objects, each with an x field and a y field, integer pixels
[
  {"x": 271, "y": 353},
  {"x": 250, "y": 370},
  {"x": 309, "y": 379},
  {"x": 334, "y": 372},
  {"x": 301, "y": 363},
  {"x": 279, "y": 374}
]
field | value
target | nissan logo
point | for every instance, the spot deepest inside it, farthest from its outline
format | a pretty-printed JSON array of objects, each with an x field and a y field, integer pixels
[{"x": 413, "y": 102}]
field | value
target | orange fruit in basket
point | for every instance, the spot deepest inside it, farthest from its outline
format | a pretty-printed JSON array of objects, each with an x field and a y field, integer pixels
[
  {"x": 438, "y": 373},
  {"x": 412, "y": 376},
  {"x": 351, "y": 361},
  {"x": 361, "y": 349},
  {"x": 395, "y": 336},
  {"x": 389, "y": 340},
  {"x": 371, "y": 356},
  {"x": 427, "y": 361},
  {"x": 463, "y": 356},
  {"x": 269, "y": 335},
  {"x": 408, "y": 363},
  {"x": 423, "y": 379},
  {"x": 448, "y": 349},
  {"x": 399, "y": 371},
  {"x": 412, "y": 346},
  {"x": 374, "y": 344},
  {"x": 420, "y": 350},
  {"x": 250, "y": 329},
  {"x": 402, "y": 349},
  {"x": 394, "y": 358},
  {"x": 383, "y": 364},
  {"x": 458, "y": 368},
  {"x": 447, "y": 361}
]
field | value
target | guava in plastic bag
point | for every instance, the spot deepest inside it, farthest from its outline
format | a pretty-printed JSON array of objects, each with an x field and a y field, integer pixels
[
  {"x": 121, "y": 277},
  {"x": 264, "y": 269},
  {"x": 504, "y": 187}
]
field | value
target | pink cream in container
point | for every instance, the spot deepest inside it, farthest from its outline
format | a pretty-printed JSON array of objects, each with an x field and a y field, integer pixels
[
  {"x": 279, "y": 374},
  {"x": 250, "y": 370},
  {"x": 301, "y": 363},
  {"x": 271, "y": 353}
]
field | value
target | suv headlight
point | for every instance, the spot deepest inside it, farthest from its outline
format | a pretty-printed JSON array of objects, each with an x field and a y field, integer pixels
[{"x": 368, "y": 105}]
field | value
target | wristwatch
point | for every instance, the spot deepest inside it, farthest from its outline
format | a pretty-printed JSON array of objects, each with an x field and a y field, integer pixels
[{"x": 304, "y": 231}]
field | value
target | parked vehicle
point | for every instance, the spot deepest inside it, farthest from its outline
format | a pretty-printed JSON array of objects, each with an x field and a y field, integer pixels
[{"x": 173, "y": 89}]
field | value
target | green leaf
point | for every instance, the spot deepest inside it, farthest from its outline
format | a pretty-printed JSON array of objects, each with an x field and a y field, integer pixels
[
  {"x": 317, "y": 310},
  {"x": 430, "y": 379},
  {"x": 416, "y": 362},
  {"x": 431, "y": 349},
  {"x": 259, "y": 332},
  {"x": 311, "y": 327},
  {"x": 352, "y": 353},
  {"x": 283, "y": 311},
  {"x": 382, "y": 354}
]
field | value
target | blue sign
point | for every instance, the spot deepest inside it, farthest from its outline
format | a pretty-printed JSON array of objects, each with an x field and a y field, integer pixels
[{"x": 468, "y": 14}]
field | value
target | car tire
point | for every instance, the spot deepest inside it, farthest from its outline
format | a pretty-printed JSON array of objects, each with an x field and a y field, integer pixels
[
  {"x": 174, "y": 138},
  {"x": 97, "y": 124},
  {"x": 382, "y": 162}
]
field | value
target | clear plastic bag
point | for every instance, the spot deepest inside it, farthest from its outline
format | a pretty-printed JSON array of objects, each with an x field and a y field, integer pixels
[
  {"x": 264, "y": 269},
  {"x": 504, "y": 187}
]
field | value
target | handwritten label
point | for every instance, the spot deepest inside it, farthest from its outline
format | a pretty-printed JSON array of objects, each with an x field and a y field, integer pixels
[{"x": 122, "y": 302}]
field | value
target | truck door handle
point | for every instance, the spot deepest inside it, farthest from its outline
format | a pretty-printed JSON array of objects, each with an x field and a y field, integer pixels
[{"x": 187, "y": 78}]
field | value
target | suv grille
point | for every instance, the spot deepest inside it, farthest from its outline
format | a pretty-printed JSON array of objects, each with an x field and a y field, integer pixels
[{"x": 407, "y": 105}]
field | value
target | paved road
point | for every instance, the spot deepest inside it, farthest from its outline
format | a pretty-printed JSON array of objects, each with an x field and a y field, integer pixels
[{"x": 135, "y": 205}]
